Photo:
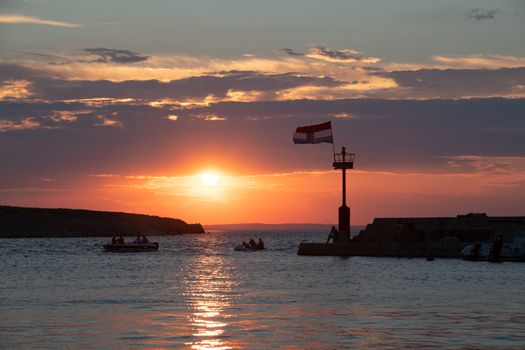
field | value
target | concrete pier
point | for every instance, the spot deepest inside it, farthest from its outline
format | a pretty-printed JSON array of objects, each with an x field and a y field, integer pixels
[
  {"x": 438, "y": 237},
  {"x": 391, "y": 249}
]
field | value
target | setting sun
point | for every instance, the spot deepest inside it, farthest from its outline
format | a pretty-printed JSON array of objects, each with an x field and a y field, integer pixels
[{"x": 209, "y": 178}]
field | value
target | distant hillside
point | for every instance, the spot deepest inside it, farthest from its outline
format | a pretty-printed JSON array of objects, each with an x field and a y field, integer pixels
[
  {"x": 17, "y": 222},
  {"x": 292, "y": 227}
]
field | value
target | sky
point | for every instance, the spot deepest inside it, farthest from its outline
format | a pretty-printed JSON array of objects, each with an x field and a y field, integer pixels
[{"x": 187, "y": 108}]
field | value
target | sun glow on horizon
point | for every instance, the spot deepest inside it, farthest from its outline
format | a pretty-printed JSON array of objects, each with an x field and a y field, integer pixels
[{"x": 209, "y": 178}]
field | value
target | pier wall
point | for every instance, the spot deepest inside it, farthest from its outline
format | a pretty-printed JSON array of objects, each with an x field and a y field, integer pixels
[
  {"x": 438, "y": 237},
  {"x": 388, "y": 249},
  {"x": 463, "y": 228}
]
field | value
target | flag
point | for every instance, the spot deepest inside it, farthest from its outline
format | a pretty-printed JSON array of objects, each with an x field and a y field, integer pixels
[{"x": 314, "y": 133}]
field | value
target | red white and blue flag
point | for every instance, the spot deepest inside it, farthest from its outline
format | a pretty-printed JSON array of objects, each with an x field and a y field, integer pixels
[{"x": 314, "y": 133}]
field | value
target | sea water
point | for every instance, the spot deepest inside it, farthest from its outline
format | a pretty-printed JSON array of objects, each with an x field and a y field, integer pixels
[{"x": 196, "y": 292}]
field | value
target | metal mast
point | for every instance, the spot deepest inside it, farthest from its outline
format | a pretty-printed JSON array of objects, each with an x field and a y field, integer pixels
[{"x": 344, "y": 161}]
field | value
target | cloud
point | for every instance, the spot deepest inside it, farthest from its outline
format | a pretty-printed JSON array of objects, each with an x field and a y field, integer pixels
[
  {"x": 106, "y": 122},
  {"x": 486, "y": 164},
  {"x": 341, "y": 56},
  {"x": 458, "y": 83},
  {"x": 10, "y": 71},
  {"x": 482, "y": 14},
  {"x": 21, "y": 19},
  {"x": 291, "y": 52},
  {"x": 478, "y": 61},
  {"x": 20, "y": 124},
  {"x": 167, "y": 68},
  {"x": 209, "y": 117},
  {"x": 233, "y": 86},
  {"x": 16, "y": 116},
  {"x": 118, "y": 56},
  {"x": 181, "y": 82},
  {"x": 15, "y": 89},
  {"x": 338, "y": 56}
]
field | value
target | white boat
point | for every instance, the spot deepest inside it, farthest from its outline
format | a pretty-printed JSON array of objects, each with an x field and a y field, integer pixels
[{"x": 511, "y": 251}]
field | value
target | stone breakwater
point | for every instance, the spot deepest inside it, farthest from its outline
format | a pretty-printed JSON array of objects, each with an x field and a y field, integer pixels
[{"x": 439, "y": 237}]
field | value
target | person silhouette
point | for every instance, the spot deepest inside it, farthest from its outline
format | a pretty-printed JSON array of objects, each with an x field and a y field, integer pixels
[{"x": 333, "y": 235}]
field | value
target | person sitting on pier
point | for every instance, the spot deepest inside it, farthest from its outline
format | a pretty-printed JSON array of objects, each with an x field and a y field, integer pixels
[
  {"x": 120, "y": 240},
  {"x": 495, "y": 252},
  {"x": 260, "y": 244},
  {"x": 252, "y": 244},
  {"x": 333, "y": 235},
  {"x": 245, "y": 245},
  {"x": 114, "y": 240},
  {"x": 138, "y": 240},
  {"x": 475, "y": 250},
  {"x": 145, "y": 240}
]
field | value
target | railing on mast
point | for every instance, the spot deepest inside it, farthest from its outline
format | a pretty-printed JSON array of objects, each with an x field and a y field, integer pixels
[{"x": 344, "y": 160}]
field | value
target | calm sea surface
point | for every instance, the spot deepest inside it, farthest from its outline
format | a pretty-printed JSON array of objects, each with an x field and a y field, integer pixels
[{"x": 197, "y": 292}]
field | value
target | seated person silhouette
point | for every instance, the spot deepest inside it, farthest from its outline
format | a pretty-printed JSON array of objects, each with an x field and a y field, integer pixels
[{"x": 333, "y": 235}]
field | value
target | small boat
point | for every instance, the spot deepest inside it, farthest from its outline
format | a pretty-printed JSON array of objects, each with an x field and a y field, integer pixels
[
  {"x": 513, "y": 251},
  {"x": 132, "y": 247},
  {"x": 241, "y": 248}
]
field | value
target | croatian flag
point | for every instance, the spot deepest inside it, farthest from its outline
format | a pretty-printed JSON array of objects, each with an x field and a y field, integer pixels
[{"x": 314, "y": 133}]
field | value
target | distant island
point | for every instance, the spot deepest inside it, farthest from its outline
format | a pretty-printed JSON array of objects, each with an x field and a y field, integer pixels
[
  {"x": 291, "y": 227},
  {"x": 20, "y": 222}
]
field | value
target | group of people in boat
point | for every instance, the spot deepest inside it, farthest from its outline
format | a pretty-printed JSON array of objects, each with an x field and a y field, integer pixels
[
  {"x": 116, "y": 240},
  {"x": 138, "y": 240},
  {"x": 253, "y": 245}
]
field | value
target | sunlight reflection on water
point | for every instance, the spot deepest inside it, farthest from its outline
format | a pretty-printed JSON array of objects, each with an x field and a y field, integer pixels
[{"x": 208, "y": 288}]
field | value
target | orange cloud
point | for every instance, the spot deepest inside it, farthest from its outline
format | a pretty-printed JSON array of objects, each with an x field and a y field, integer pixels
[
  {"x": 210, "y": 117},
  {"x": 314, "y": 196},
  {"x": 357, "y": 89},
  {"x": 22, "y": 124},
  {"x": 319, "y": 74},
  {"x": 479, "y": 61},
  {"x": 15, "y": 89},
  {"x": 172, "y": 67},
  {"x": 21, "y": 19},
  {"x": 107, "y": 122}
]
